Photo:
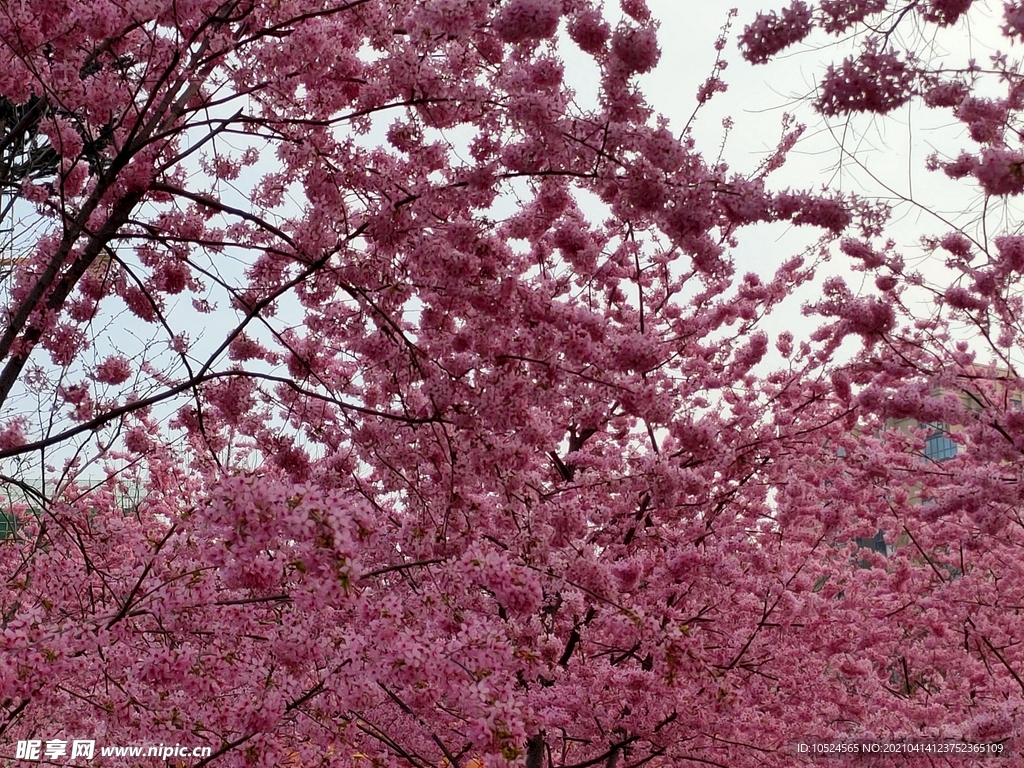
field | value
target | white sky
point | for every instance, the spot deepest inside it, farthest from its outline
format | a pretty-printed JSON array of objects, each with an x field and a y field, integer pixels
[{"x": 891, "y": 150}]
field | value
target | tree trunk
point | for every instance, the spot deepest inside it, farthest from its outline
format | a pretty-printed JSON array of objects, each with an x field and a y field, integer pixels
[{"x": 535, "y": 751}]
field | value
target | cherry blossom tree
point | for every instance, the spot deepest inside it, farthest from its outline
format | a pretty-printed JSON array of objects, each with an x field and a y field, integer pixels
[
  {"x": 392, "y": 405},
  {"x": 947, "y": 366}
]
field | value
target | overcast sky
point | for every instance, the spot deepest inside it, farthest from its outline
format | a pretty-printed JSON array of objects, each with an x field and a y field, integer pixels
[
  {"x": 893, "y": 148},
  {"x": 876, "y": 157}
]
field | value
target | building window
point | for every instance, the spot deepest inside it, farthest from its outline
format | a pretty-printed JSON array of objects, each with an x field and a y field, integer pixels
[
  {"x": 938, "y": 446},
  {"x": 8, "y": 525},
  {"x": 876, "y": 542}
]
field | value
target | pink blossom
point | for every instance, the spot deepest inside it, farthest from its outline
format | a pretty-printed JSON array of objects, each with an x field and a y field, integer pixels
[
  {"x": 171, "y": 276},
  {"x": 985, "y": 118},
  {"x": 745, "y": 201},
  {"x": 960, "y": 298},
  {"x": 64, "y": 343},
  {"x": 945, "y": 94},
  {"x": 876, "y": 81},
  {"x": 957, "y": 244},
  {"x": 1011, "y": 251},
  {"x": 863, "y": 251},
  {"x": 771, "y": 33},
  {"x": 946, "y": 12},
  {"x": 784, "y": 343},
  {"x": 449, "y": 17},
  {"x": 964, "y": 165},
  {"x": 233, "y": 397},
  {"x": 636, "y": 48},
  {"x": 886, "y": 282},
  {"x": 1000, "y": 171},
  {"x": 138, "y": 441},
  {"x": 12, "y": 434},
  {"x": 636, "y": 9},
  {"x": 243, "y": 348},
  {"x": 590, "y": 31},
  {"x": 1013, "y": 13},
  {"x": 35, "y": 193},
  {"x": 709, "y": 88},
  {"x": 142, "y": 304},
  {"x": 521, "y": 20},
  {"x": 114, "y": 369},
  {"x": 63, "y": 136},
  {"x": 870, "y": 317},
  {"x": 751, "y": 354},
  {"x": 803, "y": 208},
  {"x": 840, "y": 15}
]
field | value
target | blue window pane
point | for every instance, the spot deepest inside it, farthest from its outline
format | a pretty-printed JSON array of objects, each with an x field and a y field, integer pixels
[
  {"x": 876, "y": 542},
  {"x": 8, "y": 525},
  {"x": 939, "y": 447}
]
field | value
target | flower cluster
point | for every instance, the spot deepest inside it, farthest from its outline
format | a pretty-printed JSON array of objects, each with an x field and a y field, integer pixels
[
  {"x": 876, "y": 81},
  {"x": 946, "y": 12},
  {"x": 840, "y": 15},
  {"x": 521, "y": 20},
  {"x": 771, "y": 33}
]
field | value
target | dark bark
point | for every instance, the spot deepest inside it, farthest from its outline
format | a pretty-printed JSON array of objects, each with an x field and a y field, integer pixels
[{"x": 535, "y": 751}]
